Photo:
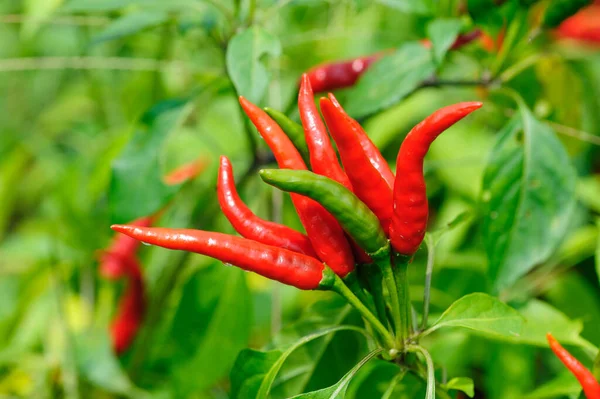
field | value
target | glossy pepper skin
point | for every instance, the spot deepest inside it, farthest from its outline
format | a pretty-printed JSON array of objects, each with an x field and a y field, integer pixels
[
  {"x": 409, "y": 220},
  {"x": 590, "y": 386},
  {"x": 354, "y": 216},
  {"x": 279, "y": 264},
  {"x": 371, "y": 177},
  {"x": 324, "y": 232},
  {"x": 323, "y": 159},
  {"x": 129, "y": 318},
  {"x": 293, "y": 130},
  {"x": 251, "y": 226}
]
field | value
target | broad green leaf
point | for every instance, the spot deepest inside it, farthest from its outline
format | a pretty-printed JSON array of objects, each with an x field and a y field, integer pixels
[
  {"x": 136, "y": 185},
  {"x": 463, "y": 384},
  {"x": 226, "y": 333},
  {"x": 339, "y": 390},
  {"x": 390, "y": 79},
  {"x": 250, "y": 370},
  {"x": 482, "y": 313},
  {"x": 442, "y": 33},
  {"x": 97, "y": 363},
  {"x": 541, "y": 318},
  {"x": 245, "y": 65},
  {"x": 528, "y": 198},
  {"x": 130, "y": 24},
  {"x": 564, "y": 385},
  {"x": 266, "y": 384}
]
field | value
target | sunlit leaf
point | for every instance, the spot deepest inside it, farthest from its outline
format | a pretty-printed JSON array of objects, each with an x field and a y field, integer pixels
[
  {"x": 463, "y": 384},
  {"x": 482, "y": 313}
]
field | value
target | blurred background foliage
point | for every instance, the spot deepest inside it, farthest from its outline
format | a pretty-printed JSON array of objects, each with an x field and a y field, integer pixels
[{"x": 102, "y": 97}]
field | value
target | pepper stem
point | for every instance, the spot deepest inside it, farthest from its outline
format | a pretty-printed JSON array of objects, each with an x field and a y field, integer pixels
[
  {"x": 375, "y": 286},
  {"x": 385, "y": 265},
  {"x": 400, "y": 267},
  {"x": 340, "y": 287}
]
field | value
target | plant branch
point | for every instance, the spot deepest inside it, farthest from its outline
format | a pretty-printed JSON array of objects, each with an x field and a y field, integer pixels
[{"x": 428, "y": 272}]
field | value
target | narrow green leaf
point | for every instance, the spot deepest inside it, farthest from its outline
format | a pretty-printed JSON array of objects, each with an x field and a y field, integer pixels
[
  {"x": 339, "y": 390},
  {"x": 266, "y": 384},
  {"x": 482, "y": 313},
  {"x": 97, "y": 5},
  {"x": 390, "y": 389},
  {"x": 597, "y": 256},
  {"x": 250, "y": 370},
  {"x": 130, "y": 24},
  {"x": 390, "y": 79},
  {"x": 596, "y": 368},
  {"x": 528, "y": 198},
  {"x": 244, "y": 61},
  {"x": 463, "y": 384},
  {"x": 442, "y": 33},
  {"x": 136, "y": 185}
]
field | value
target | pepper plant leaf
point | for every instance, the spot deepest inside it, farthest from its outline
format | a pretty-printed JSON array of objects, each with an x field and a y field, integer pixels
[
  {"x": 136, "y": 184},
  {"x": 564, "y": 385},
  {"x": 482, "y": 313},
  {"x": 463, "y": 384},
  {"x": 390, "y": 79},
  {"x": 527, "y": 200},
  {"x": 597, "y": 255},
  {"x": 244, "y": 61},
  {"x": 442, "y": 33},
  {"x": 339, "y": 390}
]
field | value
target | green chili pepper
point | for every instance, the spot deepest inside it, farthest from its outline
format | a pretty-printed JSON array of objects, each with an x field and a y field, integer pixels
[
  {"x": 352, "y": 214},
  {"x": 293, "y": 130},
  {"x": 559, "y": 10}
]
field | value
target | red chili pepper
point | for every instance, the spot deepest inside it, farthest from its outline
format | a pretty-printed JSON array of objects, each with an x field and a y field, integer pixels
[
  {"x": 590, "y": 386},
  {"x": 251, "y": 226},
  {"x": 186, "y": 172},
  {"x": 129, "y": 318},
  {"x": 341, "y": 74},
  {"x": 337, "y": 75},
  {"x": 115, "y": 261},
  {"x": 409, "y": 219},
  {"x": 279, "y": 264},
  {"x": 323, "y": 159},
  {"x": 369, "y": 173},
  {"x": 584, "y": 26},
  {"x": 324, "y": 232}
]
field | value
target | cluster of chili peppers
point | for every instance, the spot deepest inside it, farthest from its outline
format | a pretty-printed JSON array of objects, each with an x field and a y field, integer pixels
[
  {"x": 119, "y": 262},
  {"x": 591, "y": 387},
  {"x": 363, "y": 223}
]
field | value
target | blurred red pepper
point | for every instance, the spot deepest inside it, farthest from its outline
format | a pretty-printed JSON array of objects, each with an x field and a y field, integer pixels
[
  {"x": 131, "y": 310},
  {"x": 186, "y": 171},
  {"x": 583, "y": 26}
]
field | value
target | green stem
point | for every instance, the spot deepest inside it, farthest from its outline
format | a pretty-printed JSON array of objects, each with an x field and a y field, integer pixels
[
  {"x": 430, "y": 369},
  {"x": 352, "y": 282},
  {"x": 400, "y": 268},
  {"x": 376, "y": 287},
  {"x": 340, "y": 287},
  {"x": 428, "y": 273}
]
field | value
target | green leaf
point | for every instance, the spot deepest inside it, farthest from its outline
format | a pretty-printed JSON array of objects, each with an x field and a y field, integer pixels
[
  {"x": 564, "y": 385},
  {"x": 596, "y": 367},
  {"x": 442, "y": 33},
  {"x": 250, "y": 370},
  {"x": 97, "y": 5},
  {"x": 97, "y": 363},
  {"x": 130, "y": 24},
  {"x": 390, "y": 79},
  {"x": 266, "y": 384},
  {"x": 482, "y": 313},
  {"x": 587, "y": 192},
  {"x": 463, "y": 384},
  {"x": 339, "y": 390},
  {"x": 244, "y": 65},
  {"x": 408, "y": 6},
  {"x": 226, "y": 332},
  {"x": 528, "y": 198},
  {"x": 136, "y": 185}
]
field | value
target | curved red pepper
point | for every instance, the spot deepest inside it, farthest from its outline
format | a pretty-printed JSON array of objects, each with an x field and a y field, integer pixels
[
  {"x": 584, "y": 25},
  {"x": 323, "y": 159},
  {"x": 409, "y": 220},
  {"x": 590, "y": 386},
  {"x": 323, "y": 230},
  {"x": 279, "y": 264},
  {"x": 341, "y": 74},
  {"x": 251, "y": 226},
  {"x": 130, "y": 315},
  {"x": 369, "y": 173}
]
